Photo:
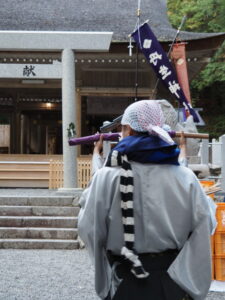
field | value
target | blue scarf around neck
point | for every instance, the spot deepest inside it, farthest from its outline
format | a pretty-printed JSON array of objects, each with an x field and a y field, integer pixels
[{"x": 148, "y": 149}]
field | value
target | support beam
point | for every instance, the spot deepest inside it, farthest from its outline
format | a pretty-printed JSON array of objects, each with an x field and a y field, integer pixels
[
  {"x": 54, "y": 40},
  {"x": 68, "y": 116}
]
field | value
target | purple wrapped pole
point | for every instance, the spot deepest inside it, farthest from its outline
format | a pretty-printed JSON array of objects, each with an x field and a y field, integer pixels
[
  {"x": 94, "y": 138},
  {"x": 115, "y": 137},
  {"x": 172, "y": 133}
]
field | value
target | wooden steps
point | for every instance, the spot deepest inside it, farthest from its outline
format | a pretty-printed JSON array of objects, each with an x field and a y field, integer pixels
[
  {"x": 39, "y": 171},
  {"x": 25, "y": 170},
  {"x": 24, "y": 174}
]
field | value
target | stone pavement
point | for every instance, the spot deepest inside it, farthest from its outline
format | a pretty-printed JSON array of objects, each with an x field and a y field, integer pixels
[{"x": 50, "y": 275}]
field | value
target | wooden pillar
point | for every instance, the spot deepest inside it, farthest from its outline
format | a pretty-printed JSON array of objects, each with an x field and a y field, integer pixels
[
  {"x": 22, "y": 128},
  {"x": 15, "y": 126}
]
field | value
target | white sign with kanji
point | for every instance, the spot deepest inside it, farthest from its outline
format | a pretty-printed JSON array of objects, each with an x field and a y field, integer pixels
[{"x": 32, "y": 71}]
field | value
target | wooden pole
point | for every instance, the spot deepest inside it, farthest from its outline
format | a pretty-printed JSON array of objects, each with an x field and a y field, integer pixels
[{"x": 192, "y": 135}]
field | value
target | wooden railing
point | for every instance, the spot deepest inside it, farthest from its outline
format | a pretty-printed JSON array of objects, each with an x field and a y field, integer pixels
[
  {"x": 55, "y": 174},
  {"x": 83, "y": 172}
]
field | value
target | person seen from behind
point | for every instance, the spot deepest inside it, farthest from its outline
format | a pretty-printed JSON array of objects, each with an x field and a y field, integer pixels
[{"x": 145, "y": 219}]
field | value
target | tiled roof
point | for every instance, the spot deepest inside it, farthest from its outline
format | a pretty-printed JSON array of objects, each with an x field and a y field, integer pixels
[{"x": 118, "y": 16}]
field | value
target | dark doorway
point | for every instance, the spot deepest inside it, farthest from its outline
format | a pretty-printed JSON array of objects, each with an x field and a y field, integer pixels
[{"x": 41, "y": 132}]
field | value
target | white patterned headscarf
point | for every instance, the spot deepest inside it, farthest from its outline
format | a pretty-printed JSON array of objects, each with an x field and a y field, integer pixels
[{"x": 146, "y": 116}]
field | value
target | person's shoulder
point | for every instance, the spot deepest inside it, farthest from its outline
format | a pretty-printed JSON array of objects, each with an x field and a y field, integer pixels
[
  {"x": 186, "y": 171},
  {"x": 107, "y": 171},
  {"x": 187, "y": 175}
]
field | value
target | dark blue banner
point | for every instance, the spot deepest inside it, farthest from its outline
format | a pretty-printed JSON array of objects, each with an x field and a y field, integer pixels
[{"x": 156, "y": 56}]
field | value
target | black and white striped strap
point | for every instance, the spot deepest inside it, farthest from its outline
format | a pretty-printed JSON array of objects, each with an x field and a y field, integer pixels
[{"x": 116, "y": 159}]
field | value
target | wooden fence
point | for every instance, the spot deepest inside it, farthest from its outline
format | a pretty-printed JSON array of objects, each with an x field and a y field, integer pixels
[
  {"x": 83, "y": 172},
  {"x": 55, "y": 174}
]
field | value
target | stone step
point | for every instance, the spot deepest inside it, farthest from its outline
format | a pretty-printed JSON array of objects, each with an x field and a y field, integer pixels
[
  {"x": 38, "y": 233},
  {"x": 38, "y": 244},
  {"x": 33, "y": 221},
  {"x": 39, "y": 201},
  {"x": 11, "y": 182},
  {"x": 8, "y": 210}
]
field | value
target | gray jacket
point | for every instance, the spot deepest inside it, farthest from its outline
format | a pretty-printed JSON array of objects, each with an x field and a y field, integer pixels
[{"x": 171, "y": 211}]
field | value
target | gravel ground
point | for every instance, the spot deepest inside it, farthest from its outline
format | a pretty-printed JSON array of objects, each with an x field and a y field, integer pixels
[
  {"x": 50, "y": 275},
  {"x": 216, "y": 296},
  {"x": 46, "y": 274}
]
